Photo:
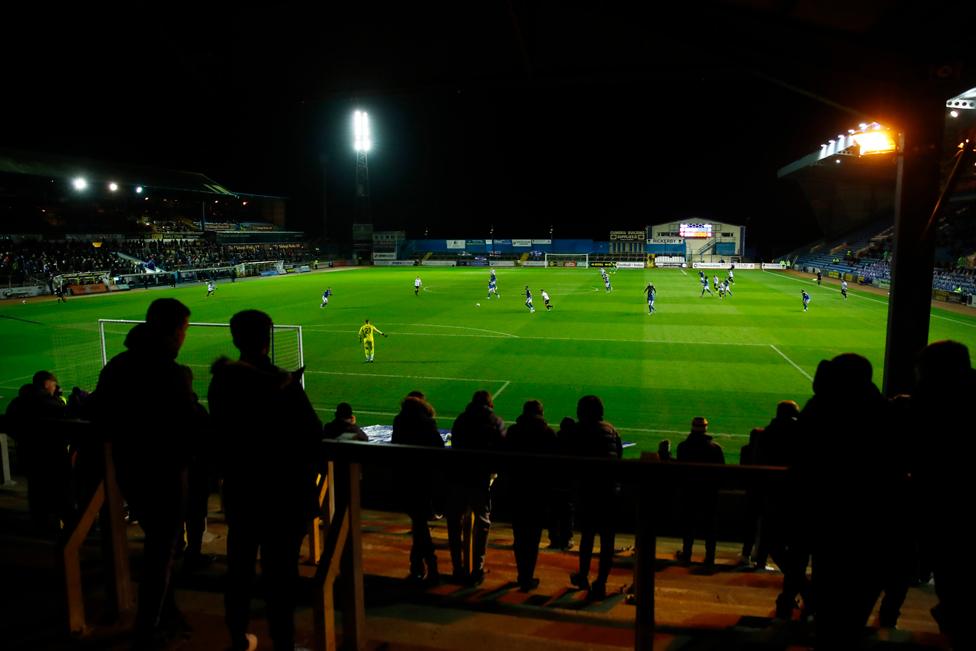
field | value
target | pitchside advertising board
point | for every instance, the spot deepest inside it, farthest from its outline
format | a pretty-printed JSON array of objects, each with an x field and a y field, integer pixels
[
  {"x": 724, "y": 265},
  {"x": 630, "y": 265},
  {"x": 393, "y": 263}
]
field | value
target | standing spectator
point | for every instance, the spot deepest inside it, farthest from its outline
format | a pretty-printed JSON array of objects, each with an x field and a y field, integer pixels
[
  {"x": 343, "y": 427},
  {"x": 945, "y": 383},
  {"x": 477, "y": 428},
  {"x": 152, "y": 453},
  {"x": 415, "y": 425},
  {"x": 752, "y": 530},
  {"x": 779, "y": 445},
  {"x": 561, "y": 494},
  {"x": 699, "y": 499},
  {"x": 853, "y": 502},
  {"x": 268, "y": 435},
  {"x": 44, "y": 457},
  {"x": 529, "y": 490},
  {"x": 597, "y": 496}
]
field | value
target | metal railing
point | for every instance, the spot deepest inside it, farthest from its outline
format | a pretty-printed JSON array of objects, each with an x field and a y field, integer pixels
[{"x": 335, "y": 538}]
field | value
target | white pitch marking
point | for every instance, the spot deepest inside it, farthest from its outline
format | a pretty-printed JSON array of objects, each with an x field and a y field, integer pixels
[
  {"x": 792, "y": 363},
  {"x": 531, "y": 338},
  {"x": 409, "y": 377},
  {"x": 504, "y": 386},
  {"x": 878, "y": 300}
]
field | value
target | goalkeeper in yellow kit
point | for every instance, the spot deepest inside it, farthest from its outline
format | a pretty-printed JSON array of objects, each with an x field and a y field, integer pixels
[{"x": 366, "y": 336}]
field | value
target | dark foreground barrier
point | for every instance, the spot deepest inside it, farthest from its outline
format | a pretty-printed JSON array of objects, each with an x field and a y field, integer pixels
[{"x": 338, "y": 531}]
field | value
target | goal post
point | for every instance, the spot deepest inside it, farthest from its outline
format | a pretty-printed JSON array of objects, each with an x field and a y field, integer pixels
[
  {"x": 204, "y": 343},
  {"x": 567, "y": 259}
]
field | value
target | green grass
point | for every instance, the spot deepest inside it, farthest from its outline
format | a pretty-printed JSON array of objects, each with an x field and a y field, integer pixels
[{"x": 729, "y": 360}]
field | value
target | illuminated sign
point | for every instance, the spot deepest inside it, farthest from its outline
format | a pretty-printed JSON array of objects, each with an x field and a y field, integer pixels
[
  {"x": 628, "y": 236},
  {"x": 695, "y": 230}
]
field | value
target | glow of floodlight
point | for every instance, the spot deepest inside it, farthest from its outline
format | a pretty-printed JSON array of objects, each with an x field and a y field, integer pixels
[
  {"x": 113, "y": 186},
  {"x": 138, "y": 189},
  {"x": 361, "y": 135},
  {"x": 79, "y": 183},
  {"x": 954, "y": 113},
  {"x": 875, "y": 142}
]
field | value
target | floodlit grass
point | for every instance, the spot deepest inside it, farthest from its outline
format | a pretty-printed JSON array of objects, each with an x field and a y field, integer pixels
[{"x": 730, "y": 360}]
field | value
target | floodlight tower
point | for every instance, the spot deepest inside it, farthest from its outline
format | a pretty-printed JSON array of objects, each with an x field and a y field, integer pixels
[{"x": 362, "y": 143}]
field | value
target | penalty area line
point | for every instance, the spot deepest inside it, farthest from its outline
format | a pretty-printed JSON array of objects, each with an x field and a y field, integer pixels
[{"x": 792, "y": 363}]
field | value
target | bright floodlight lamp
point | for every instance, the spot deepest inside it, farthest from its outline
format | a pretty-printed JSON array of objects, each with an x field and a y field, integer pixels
[
  {"x": 113, "y": 186},
  {"x": 79, "y": 183},
  {"x": 138, "y": 189},
  {"x": 360, "y": 129},
  {"x": 963, "y": 102},
  {"x": 880, "y": 141}
]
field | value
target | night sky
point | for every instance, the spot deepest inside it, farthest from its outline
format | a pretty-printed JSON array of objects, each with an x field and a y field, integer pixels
[{"x": 513, "y": 115}]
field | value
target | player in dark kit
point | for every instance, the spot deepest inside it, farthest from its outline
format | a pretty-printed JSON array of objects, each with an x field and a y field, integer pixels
[
  {"x": 651, "y": 292},
  {"x": 819, "y": 276}
]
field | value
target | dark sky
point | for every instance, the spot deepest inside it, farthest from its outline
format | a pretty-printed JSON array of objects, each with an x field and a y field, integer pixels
[{"x": 516, "y": 115}]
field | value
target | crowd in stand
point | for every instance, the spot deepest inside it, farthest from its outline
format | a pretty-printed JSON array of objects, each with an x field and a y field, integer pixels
[
  {"x": 29, "y": 260},
  {"x": 24, "y": 260},
  {"x": 863, "y": 504}
]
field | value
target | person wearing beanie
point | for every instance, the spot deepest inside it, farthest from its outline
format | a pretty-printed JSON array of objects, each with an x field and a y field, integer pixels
[{"x": 698, "y": 501}]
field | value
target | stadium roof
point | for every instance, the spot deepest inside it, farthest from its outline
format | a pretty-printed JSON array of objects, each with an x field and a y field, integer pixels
[{"x": 67, "y": 167}]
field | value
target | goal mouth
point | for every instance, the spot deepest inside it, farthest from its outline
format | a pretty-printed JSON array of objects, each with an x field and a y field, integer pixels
[
  {"x": 568, "y": 260},
  {"x": 205, "y": 343}
]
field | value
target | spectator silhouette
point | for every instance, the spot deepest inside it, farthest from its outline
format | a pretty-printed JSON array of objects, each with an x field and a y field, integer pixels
[
  {"x": 44, "y": 457},
  {"x": 268, "y": 436},
  {"x": 779, "y": 445},
  {"x": 852, "y": 501},
  {"x": 343, "y": 427},
  {"x": 415, "y": 425},
  {"x": 152, "y": 453},
  {"x": 664, "y": 451},
  {"x": 561, "y": 494},
  {"x": 752, "y": 530},
  {"x": 597, "y": 497},
  {"x": 699, "y": 501},
  {"x": 945, "y": 384},
  {"x": 529, "y": 489},
  {"x": 477, "y": 428}
]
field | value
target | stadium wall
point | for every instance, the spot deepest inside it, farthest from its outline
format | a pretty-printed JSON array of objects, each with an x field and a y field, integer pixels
[{"x": 415, "y": 247}]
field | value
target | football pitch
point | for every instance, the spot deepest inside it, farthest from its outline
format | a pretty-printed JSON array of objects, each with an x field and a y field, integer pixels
[{"x": 730, "y": 360}]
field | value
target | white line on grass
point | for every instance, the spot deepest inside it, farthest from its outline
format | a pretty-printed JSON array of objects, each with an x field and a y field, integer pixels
[
  {"x": 792, "y": 363},
  {"x": 531, "y": 338},
  {"x": 434, "y": 325},
  {"x": 878, "y": 300},
  {"x": 683, "y": 271},
  {"x": 16, "y": 379},
  {"x": 409, "y": 377},
  {"x": 504, "y": 386}
]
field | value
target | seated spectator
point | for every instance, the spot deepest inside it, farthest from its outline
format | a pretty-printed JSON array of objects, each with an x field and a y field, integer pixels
[
  {"x": 699, "y": 501},
  {"x": 343, "y": 427}
]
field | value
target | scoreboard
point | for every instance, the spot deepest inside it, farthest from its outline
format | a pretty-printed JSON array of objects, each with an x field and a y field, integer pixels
[{"x": 695, "y": 230}]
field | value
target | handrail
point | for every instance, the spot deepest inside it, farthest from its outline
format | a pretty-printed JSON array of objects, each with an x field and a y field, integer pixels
[
  {"x": 342, "y": 549},
  {"x": 645, "y": 474}
]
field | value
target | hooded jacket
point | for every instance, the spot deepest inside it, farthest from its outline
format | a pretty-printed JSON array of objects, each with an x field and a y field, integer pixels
[{"x": 267, "y": 438}]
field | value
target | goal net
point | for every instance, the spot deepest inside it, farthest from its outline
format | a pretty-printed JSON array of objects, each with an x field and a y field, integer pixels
[
  {"x": 567, "y": 260},
  {"x": 204, "y": 343}
]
